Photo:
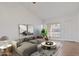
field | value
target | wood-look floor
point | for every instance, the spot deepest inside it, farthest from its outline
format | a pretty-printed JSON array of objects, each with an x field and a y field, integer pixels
[{"x": 69, "y": 49}]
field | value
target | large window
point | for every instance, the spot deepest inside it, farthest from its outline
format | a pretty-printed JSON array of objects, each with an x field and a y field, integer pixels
[
  {"x": 26, "y": 29},
  {"x": 53, "y": 30}
]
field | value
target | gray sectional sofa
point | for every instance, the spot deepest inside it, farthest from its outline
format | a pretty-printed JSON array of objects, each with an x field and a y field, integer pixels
[{"x": 26, "y": 46}]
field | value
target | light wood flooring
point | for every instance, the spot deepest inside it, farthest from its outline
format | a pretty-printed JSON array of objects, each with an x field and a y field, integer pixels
[{"x": 68, "y": 48}]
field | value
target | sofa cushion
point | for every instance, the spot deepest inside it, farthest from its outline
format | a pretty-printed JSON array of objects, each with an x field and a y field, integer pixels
[
  {"x": 34, "y": 41},
  {"x": 26, "y": 48}
]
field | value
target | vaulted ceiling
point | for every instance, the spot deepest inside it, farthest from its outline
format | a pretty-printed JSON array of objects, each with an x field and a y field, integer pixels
[{"x": 47, "y": 10}]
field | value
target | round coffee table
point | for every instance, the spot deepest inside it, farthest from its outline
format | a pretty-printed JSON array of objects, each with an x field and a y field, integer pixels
[{"x": 48, "y": 46}]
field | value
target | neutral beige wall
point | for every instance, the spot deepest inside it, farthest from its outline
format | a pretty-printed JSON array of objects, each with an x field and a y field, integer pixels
[{"x": 13, "y": 14}]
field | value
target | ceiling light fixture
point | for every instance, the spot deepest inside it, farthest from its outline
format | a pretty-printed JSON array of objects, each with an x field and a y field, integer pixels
[{"x": 34, "y": 2}]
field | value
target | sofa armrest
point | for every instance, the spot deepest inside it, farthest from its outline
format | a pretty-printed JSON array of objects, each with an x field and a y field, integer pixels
[{"x": 14, "y": 43}]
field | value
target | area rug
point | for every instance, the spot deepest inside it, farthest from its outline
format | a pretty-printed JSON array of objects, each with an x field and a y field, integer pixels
[{"x": 52, "y": 52}]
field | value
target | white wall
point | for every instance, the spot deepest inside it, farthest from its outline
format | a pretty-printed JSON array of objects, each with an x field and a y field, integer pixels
[
  {"x": 12, "y": 14},
  {"x": 69, "y": 27}
]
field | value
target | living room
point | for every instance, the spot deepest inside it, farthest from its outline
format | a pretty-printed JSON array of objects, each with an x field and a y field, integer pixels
[{"x": 39, "y": 28}]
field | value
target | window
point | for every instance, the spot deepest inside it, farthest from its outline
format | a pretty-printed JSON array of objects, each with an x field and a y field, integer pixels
[
  {"x": 54, "y": 30},
  {"x": 25, "y": 29},
  {"x": 30, "y": 28},
  {"x": 22, "y": 28}
]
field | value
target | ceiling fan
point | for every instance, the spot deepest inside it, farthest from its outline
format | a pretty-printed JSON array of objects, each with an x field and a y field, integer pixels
[{"x": 34, "y": 2}]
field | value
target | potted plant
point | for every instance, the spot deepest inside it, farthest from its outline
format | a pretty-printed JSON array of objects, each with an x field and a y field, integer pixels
[{"x": 44, "y": 34}]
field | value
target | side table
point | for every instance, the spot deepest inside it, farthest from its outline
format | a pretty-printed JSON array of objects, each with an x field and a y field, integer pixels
[{"x": 6, "y": 49}]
